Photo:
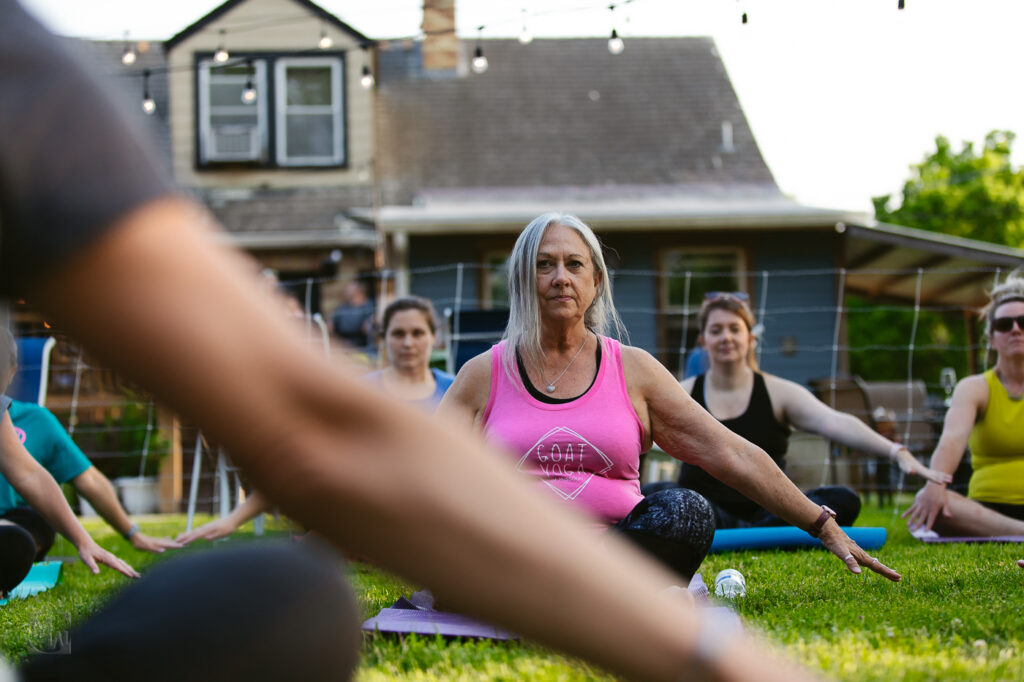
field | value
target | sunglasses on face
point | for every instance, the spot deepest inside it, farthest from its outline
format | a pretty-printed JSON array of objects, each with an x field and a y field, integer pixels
[
  {"x": 1005, "y": 324},
  {"x": 740, "y": 296}
]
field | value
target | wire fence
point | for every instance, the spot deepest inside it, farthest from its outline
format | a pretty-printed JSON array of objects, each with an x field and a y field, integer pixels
[{"x": 843, "y": 353}]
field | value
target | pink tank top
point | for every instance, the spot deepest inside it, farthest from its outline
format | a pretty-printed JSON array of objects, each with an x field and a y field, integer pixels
[{"x": 585, "y": 452}]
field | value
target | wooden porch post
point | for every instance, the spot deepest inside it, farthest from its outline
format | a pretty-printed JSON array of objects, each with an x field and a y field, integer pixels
[{"x": 170, "y": 476}]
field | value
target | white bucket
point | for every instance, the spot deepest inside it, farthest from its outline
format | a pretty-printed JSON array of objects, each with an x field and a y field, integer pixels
[{"x": 140, "y": 495}]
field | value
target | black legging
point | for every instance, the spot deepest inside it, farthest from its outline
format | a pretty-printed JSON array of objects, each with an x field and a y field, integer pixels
[
  {"x": 260, "y": 613},
  {"x": 844, "y": 501},
  {"x": 675, "y": 525},
  {"x": 26, "y": 538}
]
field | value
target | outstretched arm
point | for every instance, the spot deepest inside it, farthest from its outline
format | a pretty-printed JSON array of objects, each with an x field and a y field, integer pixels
[
  {"x": 807, "y": 413},
  {"x": 969, "y": 399},
  {"x": 423, "y": 498},
  {"x": 687, "y": 432},
  {"x": 254, "y": 505},
  {"x": 43, "y": 494},
  {"x": 99, "y": 491}
]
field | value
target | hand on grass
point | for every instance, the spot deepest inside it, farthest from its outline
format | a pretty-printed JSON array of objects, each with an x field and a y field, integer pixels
[
  {"x": 929, "y": 502},
  {"x": 840, "y": 544},
  {"x": 214, "y": 530},
  {"x": 143, "y": 542},
  {"x": 92, "y": 554},
  {"x": 909, "y": 465}
]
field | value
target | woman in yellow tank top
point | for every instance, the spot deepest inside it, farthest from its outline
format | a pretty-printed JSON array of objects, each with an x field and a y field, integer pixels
[{"x": 986, "y": 413}]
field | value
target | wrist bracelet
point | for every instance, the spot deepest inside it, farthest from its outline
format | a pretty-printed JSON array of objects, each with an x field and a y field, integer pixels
[
  {"x": 132, "y": 530},
  {"x": 894, "y": 450}
]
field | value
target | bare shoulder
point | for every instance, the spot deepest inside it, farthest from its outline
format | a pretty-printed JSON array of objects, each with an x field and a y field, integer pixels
[
  {"x": 784, "y": 389},
  {"x": 639, "y": 364},
  {"x": 972, "y": 390},
  {"x": 472, "y": 385}
]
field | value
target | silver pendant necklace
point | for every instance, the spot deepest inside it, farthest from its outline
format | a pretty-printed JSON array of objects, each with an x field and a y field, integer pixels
[{"x": 550, "y": 388}]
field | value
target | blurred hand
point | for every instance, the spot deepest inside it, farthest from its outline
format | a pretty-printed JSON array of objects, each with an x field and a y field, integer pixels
[
  {"x": 214, "y": 530},
  {"x": 910, "y": 465},
  {"x": 144, "y": 543}
]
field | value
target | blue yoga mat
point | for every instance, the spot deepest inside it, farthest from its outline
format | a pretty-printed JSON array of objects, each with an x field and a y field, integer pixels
[
  {"x": 41, "y": 577},
  {"x": 780, "y": 537}
]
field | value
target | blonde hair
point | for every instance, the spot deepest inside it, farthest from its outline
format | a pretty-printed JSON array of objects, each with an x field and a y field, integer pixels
[
  {"x": 523, "y": 330},
  {"x": 1011, "y": 290},
  {"x": 731, "y": 304}
]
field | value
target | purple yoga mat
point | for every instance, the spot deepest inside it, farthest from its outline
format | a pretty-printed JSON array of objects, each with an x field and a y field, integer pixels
[
  {"x": 994, "y": 538},
  {"x": 417, "y": 615}
]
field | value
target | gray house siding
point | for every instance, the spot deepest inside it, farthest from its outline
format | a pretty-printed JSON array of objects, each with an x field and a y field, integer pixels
[{"x": 800, "y": 308}]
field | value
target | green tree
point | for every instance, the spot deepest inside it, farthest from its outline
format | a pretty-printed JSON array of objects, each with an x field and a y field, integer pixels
[{"x": 971, "y": 193}]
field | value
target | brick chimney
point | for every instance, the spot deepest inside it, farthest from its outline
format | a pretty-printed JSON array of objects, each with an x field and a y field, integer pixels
[{"x": 440, "y": 45}]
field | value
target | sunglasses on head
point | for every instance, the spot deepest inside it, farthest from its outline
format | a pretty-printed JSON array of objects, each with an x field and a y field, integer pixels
[
  {"x": 740, "y": 296},
  {"x": 1005, "y": 324}
]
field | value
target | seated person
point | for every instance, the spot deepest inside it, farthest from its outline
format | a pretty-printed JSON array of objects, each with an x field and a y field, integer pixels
[
  {"x": 352, "y": 320},
  {"x": 575, "y": 409},
  {"x": 762, "y": 408},
  {"x": 49, "y": 444},
  {"x": 25, "y": 534},
  {"x": 986, "y": 413},
  {"x": 410, "y": 330}
]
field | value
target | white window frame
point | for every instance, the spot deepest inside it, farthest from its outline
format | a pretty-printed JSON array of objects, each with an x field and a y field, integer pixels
[
  {"x": 694, "y": 305},
  {"x": 282, "y": 109},
  {"x": 260, "y": 105}
]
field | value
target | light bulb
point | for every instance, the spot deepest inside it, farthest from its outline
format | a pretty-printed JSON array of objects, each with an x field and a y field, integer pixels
[
  {"x": 479, "y": 61},
  {"x": 325, "y": 41},
  {"x": 525, "y": 37},
  {"x": 615, "y": 44},
  {"x": 367, "y": 78},
  {"x": 249, "y": 94},
  {"x": 221, "y": 55},
  {"x": 148, "y": 105},
  {"x": 128, "y": 58}
]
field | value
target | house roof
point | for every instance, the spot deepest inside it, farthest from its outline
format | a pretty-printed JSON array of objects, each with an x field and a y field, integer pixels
[
  {"x": 605, "y": 207},
  {"x": 884, "y": 260},
  {"x": 565, "y": 112},
  {"x": 223, "y": 9},
  {"x": 295, "y": 218}
]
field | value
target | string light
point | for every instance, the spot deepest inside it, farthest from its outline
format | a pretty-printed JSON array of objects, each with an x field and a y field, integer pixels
[
  {"x": 221, "y": 55},
  {"x": 129, "y": 56},
  {"x": 479, "y": 60},
  {"x": 615, "y": 44},
  {"x": 525, "y": 37},
  {"x": 326, "y": 41},
  {"x": 249, "y": 94},
  {"x": 366, "y": 80},
  {"x": 148, "y": 105}
]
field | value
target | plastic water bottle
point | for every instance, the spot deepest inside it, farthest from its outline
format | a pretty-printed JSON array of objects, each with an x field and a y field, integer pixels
[{"x": 730, "y": 584}]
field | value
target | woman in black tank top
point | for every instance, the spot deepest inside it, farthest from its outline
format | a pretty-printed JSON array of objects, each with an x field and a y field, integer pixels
[{"x": 762, "y": 408}]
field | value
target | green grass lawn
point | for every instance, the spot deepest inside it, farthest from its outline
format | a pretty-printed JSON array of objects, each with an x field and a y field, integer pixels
[{"x": 956, "y": 615}]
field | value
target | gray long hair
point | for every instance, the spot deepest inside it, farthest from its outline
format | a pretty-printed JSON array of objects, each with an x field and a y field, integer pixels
[{"x": 523, "y": 330}]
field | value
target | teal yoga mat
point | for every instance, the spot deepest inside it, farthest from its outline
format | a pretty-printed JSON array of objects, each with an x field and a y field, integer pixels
[
  {"x": 782, "y": 537},
  {"x": 41, "y": 577}
]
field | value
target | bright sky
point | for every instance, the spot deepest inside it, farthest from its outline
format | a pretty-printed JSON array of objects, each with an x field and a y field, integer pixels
[{"x": 842, "y": 95}]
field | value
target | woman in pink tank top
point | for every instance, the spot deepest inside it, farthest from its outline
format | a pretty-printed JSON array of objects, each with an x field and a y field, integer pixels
[{"x": 574, "y": 410}]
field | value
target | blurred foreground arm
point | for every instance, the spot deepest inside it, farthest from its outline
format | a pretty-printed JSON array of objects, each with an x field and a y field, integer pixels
[{"x": 423, "y": 499}]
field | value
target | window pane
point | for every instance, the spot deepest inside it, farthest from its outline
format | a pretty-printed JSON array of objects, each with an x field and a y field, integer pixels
[
  {"x": 247, "y": 119},
  {"x": 708, "y": 272},
  {"x": 226, "y": 94},
  {"x": 310, "y": 135},
  {"x": 309, "y": 85}
]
